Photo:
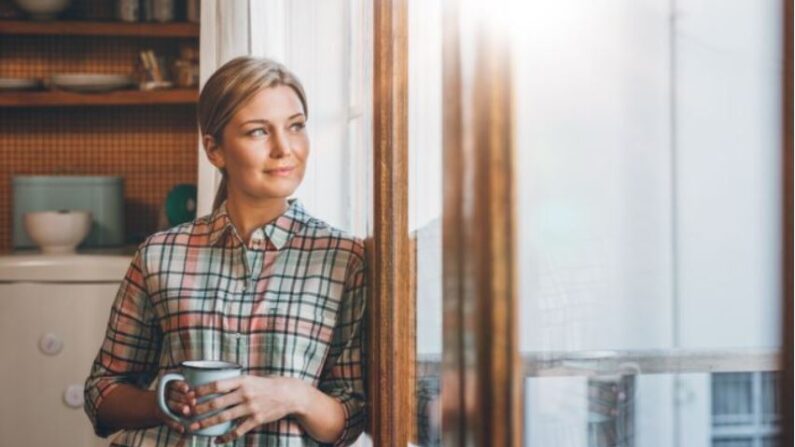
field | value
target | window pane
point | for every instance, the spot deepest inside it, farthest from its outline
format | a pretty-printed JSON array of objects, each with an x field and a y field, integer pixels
[
  {"x": 425, "y": 208},
  {"x": 732, "y": 398},
  {"x": 771, "y": 442},
  {"x": 648, "y": 144},
  {"x": 771, "y": 397},
  {"x": 733, "y": 443}
]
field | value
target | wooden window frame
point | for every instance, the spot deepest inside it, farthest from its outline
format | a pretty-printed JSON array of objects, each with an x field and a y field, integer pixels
[
  {"x": 481, "y": 380},
  {"x": 481, "y": 372},
  {"x": 786, "y": 221},
  {"x": 391, "y": 318}
]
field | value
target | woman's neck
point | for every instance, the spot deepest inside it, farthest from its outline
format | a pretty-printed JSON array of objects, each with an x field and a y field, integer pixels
[{"x": 247, "y": 215}]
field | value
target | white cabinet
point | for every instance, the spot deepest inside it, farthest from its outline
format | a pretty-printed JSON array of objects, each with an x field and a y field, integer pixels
[{"x": 35, "y": 318}]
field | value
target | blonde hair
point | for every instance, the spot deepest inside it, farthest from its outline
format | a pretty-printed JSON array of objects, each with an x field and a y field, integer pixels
[{"x": 230, "y": 88}]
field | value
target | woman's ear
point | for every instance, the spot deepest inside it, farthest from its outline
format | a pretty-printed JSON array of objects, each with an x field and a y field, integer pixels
[{"x": 213, "y": 151}]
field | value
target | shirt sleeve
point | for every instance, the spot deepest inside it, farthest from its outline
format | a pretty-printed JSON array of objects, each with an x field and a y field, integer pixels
[
  {"x": 130, "y": 350},
  {"x": 343, "y": 372}
]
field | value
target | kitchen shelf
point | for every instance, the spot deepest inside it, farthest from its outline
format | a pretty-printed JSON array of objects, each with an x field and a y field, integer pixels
[
  {"x": 83, "y": 28},
  {"x": 122, "y": 97}
]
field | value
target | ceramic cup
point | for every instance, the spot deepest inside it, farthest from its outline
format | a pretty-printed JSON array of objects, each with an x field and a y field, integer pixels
[{"x": 196, "y": 373}]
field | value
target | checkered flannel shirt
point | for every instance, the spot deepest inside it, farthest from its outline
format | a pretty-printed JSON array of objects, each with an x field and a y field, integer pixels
[{"x": 289, "y": 303}]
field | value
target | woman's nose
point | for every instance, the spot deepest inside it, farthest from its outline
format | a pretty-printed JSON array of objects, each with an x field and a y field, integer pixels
[{"x": 281, "y": 145}]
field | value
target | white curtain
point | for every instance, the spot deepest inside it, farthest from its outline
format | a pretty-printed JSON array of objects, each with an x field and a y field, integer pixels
[{"x": 224, "y": 36}]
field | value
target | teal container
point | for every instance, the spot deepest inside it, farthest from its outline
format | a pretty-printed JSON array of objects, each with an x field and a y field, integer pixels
[{"x": 102, "y": 195}]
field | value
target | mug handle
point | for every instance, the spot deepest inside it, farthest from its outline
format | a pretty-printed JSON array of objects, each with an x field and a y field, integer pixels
[{"x": 161, "y": 395}]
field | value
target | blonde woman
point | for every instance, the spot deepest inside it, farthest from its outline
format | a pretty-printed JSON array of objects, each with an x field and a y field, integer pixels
[{"x": 259, "y": 282}]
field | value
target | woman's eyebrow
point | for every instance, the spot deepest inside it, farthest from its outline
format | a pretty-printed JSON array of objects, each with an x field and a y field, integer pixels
[{"x": 262, "y": 121}]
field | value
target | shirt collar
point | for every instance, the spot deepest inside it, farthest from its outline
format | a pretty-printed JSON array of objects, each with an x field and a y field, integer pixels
[{"x": 278, "y": 231}]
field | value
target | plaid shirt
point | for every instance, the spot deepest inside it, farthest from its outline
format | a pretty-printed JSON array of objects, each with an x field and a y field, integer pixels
[{"x": 289, "y": 303}]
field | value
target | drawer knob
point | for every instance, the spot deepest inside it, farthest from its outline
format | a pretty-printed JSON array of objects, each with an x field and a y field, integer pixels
[
  {"x": 50, "y": 344},
  {"x": 73, "y": 396}
]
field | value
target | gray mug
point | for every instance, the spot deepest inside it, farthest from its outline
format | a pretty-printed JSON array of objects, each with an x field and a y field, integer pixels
[{"x": 196, "y": 373}]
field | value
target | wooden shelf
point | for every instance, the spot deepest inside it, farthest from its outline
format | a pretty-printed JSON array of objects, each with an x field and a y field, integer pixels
[
  {"x": 117, "y": 98},
  {"x": 66, "y": 28}
]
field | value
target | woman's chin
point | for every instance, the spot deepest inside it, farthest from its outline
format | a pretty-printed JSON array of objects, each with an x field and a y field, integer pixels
[{"x": 274, "y": 193}]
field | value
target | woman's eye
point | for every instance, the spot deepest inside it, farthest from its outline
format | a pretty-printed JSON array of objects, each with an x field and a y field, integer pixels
[
  {"x": 258, "y": 132},
  {"x": 297, "y": 126}
]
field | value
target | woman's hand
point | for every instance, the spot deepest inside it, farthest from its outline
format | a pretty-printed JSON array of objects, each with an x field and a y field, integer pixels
[
  {"x": 179, "y": 398},
  {"x": 255, "y": 400}
]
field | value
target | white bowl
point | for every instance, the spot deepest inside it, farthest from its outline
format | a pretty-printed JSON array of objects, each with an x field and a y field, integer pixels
[
  {"x": 42, "y": 9},
  {"x": 58, "y": 232}
]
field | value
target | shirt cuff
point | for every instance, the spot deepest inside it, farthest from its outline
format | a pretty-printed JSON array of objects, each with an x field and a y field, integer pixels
[{"x": 355, "y": 418}]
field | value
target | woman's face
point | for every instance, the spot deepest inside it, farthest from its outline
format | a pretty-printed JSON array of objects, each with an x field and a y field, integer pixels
[{"x": 264, "y": 147}]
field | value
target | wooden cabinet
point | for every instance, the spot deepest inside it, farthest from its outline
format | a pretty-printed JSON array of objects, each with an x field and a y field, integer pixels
[
  {"x": 149, "y": 138},
  {"x": 153, "y": 33}
]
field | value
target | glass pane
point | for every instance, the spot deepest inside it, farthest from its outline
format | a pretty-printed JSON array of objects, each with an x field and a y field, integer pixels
[
  {"x": 425, "y": 208},
  {"x": 732, "y": 398},
  {"x": 771, "y": 397},
  {"x": 733, "y": 443},
  {"x": 771, "y": 442},
  {"x": 648, "y": 144}
]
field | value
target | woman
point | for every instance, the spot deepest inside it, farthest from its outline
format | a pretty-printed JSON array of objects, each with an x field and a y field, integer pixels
[{"x": 258, "y": 282}]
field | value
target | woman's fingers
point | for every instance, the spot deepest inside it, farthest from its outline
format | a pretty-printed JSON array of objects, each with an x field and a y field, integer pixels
[
  {"x": 235, "y": 412},
  {"x": 218, "y": 403},
  {"x": 176, "y": 426},
  {"x": 180, "y": 397},
  {"x": 240, "y": 430},
  {"x": 178, "y": 385},
  {"x": 179, "y": 408},
  {"x": 180, "y": 391},
  {"x": 220, "y": 386}
]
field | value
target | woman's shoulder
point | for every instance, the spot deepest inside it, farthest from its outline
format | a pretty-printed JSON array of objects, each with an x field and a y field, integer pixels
[
  {"x": 327, "y": 235},
  {"x": 188, "y": 233}
]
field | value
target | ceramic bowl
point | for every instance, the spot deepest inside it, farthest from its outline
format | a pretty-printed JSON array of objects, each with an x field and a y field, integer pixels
[
  {"x": 57, "y": 232},
  {"x": 43, "y": 9}
]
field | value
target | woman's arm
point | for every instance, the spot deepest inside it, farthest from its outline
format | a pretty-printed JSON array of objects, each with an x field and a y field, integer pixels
[
  {"x": 128, "y": 406},
  {"x": 323, "y": 417},
  {"x": 127, "y": 358}
]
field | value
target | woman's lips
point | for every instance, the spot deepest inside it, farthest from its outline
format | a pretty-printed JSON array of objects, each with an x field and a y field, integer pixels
[{"x": 281, "y": 172}]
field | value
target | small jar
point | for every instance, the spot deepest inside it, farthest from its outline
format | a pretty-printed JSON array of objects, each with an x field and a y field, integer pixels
[
  {"x": 163, "y": 10},
  {"x": 186, "y": 73},
  {"x": 128, "y": 10}
]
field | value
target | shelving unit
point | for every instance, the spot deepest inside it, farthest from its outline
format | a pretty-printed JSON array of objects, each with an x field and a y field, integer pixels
[
  {"x": 81, "y": 28},
  {"x": 116, "y": 98},
  {"x": 147, "y": 137}
]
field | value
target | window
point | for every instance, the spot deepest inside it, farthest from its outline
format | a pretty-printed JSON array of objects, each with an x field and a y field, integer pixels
[{"x": 746, "y": 410}]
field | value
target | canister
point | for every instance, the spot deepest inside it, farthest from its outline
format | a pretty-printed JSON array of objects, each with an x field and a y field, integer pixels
[{"x": 102, "y": 195}]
